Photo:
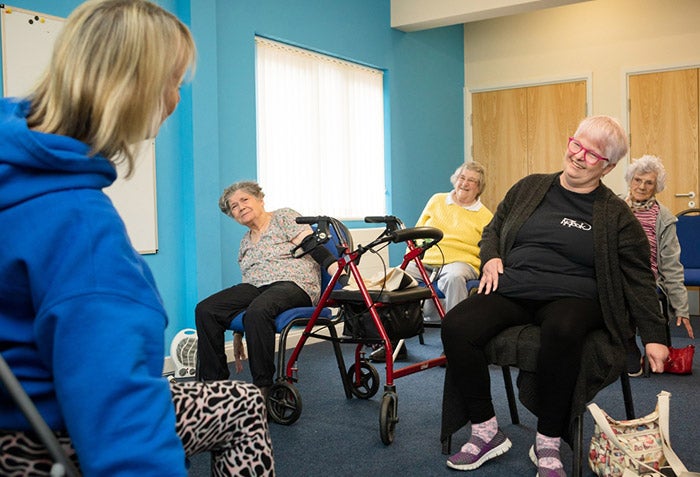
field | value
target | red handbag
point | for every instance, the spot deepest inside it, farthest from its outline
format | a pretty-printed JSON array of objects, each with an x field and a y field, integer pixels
[{"x": 680, "y": 360}]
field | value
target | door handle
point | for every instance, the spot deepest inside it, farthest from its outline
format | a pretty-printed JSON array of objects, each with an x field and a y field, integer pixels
[{"x": 690, "y": 195}]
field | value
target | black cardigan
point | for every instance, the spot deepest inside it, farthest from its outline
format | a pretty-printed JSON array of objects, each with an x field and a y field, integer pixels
[{"x": 625, "y": 283}]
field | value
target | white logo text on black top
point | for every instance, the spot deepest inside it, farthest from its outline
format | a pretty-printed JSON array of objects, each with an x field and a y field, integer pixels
[{"x": 573, "y": 223}]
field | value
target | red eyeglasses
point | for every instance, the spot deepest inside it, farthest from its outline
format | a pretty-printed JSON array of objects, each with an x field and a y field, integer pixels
[{"x": 591, "y": 157}]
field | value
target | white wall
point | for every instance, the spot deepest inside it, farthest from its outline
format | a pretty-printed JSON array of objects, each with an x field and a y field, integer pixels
[
  {"x": 413, "y": 15},
  {"x": 601, "y": 41}
]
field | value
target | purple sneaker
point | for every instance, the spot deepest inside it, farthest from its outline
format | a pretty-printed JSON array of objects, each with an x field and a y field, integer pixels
[
  {"x": 487, "y": 450},
  {"x": 546, "y": 471}
]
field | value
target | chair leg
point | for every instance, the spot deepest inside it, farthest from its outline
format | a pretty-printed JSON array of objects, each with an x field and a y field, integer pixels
[
  {"x": 512, "y": 405},
  {"x": 447, "y": 445},
  {"x": 663, "y": 300},
  {"x": 627, "y": 395},
  {"x": 577, "y": 468},
  {"x": 282, "y": 349}
]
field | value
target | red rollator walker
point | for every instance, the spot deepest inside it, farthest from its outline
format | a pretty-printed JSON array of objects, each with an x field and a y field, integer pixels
[{"x": 377, "y": 317}]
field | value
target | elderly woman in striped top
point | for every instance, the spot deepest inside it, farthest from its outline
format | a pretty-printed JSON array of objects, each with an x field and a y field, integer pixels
[{"x": 645, "y": 177}]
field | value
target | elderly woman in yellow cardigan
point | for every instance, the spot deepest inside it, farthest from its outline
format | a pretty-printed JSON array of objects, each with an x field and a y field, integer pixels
[{"x": 462, "y": 217}]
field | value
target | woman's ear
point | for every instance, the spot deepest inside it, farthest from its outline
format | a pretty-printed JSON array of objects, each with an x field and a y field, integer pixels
[{"x": 609, "y": 168}]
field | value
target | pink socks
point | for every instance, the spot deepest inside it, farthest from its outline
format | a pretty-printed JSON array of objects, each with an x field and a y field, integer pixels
[
  {"x": 485, "y": 431},
  {"x": 544, "y": 442}
]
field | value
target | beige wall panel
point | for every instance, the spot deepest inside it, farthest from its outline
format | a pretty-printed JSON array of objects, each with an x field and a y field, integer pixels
[
  {"x": 499, "y": 122},
  {"x": 553, "y": 113},
  {"x": 603, "y": 40},
  {"x": 664, "y": 122}
]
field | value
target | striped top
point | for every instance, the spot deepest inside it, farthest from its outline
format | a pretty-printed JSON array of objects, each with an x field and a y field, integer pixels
[{"x": 647, "y": 217}]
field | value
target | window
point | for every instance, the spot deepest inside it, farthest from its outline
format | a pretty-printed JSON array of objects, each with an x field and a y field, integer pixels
[{"x": 320, "y": 133}]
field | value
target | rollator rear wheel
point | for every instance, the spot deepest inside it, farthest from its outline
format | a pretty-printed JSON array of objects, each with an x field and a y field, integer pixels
[
  {"x": 369, "y": 380},
  {"x": 284, "y": 403},
  {"x": 388, "y": 417}
]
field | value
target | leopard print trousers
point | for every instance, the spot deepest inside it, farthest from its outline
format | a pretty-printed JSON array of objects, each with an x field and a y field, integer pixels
[{"x": 226, "y": 418}]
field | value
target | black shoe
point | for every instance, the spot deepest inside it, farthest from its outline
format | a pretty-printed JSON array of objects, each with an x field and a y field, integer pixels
[{"x": 379, "y": 354}]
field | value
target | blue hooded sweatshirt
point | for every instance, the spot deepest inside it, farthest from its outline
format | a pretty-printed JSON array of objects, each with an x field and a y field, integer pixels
[{"x": 81, "y": 320}]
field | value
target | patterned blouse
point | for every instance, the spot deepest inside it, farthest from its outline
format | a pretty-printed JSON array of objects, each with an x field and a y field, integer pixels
[{"x": 270, "y": 260}]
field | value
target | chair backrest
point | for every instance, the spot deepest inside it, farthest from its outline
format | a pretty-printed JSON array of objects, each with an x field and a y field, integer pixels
[
  {"x": 688, "y": 230},
  {"x": 333, "y": 246}
]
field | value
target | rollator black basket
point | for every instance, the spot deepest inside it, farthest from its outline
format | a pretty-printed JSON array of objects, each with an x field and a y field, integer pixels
[
  {"x": 401, "y": 312},
  {"x": 400, "y": 320}
]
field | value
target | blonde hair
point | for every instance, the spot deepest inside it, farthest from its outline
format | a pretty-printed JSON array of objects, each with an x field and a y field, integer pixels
[{"x": 111, "y": 66}]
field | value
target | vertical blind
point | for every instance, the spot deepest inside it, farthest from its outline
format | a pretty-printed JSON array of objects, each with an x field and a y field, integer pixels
[{"x": 320, "y": 133}]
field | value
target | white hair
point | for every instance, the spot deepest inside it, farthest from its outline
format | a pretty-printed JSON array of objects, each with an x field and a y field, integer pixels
[{"x": 645, "y": 165}]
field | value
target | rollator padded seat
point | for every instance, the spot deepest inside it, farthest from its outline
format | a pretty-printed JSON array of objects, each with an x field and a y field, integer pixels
[{"x": 382, "y": 296}]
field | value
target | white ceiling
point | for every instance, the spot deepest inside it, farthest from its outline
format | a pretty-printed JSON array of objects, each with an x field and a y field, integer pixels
[{"x": 414, "y": 15}]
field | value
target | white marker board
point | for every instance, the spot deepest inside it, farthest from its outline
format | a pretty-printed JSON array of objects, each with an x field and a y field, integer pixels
[{"x": 27, "y": 43}]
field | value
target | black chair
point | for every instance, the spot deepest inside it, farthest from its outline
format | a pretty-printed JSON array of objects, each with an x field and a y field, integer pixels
[
  {"x": 518, "y": 347},
  {"x": 688, "y": 231},
  {"x": 664, "y": 305}
]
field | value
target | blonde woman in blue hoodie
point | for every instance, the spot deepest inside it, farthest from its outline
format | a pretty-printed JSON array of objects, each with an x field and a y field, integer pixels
[{"x": 73, "y": 289}]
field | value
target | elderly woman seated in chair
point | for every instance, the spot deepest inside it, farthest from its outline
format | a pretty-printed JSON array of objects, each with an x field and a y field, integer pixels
[
  {"x": 565, "y": 253},
  {"x": 462, "y": 217},
  {"x": 273, "y": 281},
  {"x": 645, "y": 177}
]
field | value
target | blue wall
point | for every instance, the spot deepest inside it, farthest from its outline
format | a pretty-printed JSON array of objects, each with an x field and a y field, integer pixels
[{"x": 210, "y": 141}]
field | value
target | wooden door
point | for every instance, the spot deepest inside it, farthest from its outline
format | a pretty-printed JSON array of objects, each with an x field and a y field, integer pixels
[
  {"x": 664, "y": 122},
  {"x": 553, "y": 113},
  {"x": 519, "y": 131},
  {"x": 499, "y": 129}
]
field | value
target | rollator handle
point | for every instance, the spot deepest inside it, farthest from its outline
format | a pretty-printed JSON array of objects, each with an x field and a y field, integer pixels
[
  {"x": 416, "y": 233},
  {"x": 379, "y": 219},
  {"x": 311, "y": 219},
  {"x": 392, "y": 222}
]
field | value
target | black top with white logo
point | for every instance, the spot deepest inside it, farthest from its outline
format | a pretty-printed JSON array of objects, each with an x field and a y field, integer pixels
[{"x": 552, "y": 256}]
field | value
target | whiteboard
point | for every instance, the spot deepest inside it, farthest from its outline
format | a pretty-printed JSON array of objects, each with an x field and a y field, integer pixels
[{"x": 27, "y": 43}]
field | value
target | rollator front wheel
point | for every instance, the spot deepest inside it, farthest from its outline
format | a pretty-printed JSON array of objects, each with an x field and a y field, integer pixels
[
  {"x": 388, "y": 417},
  {"x": 284, "y": 403},
  {"x": 368, "y": 384}
]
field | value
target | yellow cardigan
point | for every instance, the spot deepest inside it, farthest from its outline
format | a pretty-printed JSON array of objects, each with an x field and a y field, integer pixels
[{"x": 461, "y": 227}]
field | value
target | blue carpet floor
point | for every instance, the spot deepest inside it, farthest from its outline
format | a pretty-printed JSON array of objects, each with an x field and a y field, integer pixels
[{"x": 335, "y": 436}]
